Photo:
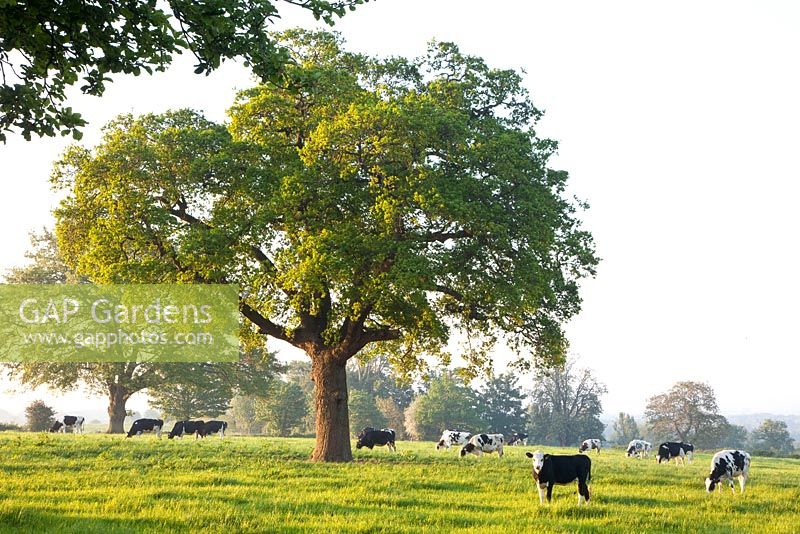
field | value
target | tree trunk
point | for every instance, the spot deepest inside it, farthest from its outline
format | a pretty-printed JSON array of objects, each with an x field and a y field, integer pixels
[
  {"x": 333, "y": 422},
  {"x": 117, "y": 398}
]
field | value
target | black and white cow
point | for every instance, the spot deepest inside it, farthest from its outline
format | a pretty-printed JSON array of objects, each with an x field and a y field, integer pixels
[
  {"x": 140, "y": 426},
  {"x": 75, "y": 422},
  {"x": 552, "y": 469},
  {"x": 480, "y": 443},
  {"x": 182, "y": 428},
  {"x": 589, "y": 444},
  {"x": 452, "y": 437},
  {"x": 639, "y": 448},
  {"x": 727, "y": 465},
  {"x": 369, "y": 437},
  {"x": 675, "y": 449},
  {"x": 518, "y": 439},
  {"x": 212, "y": 427}
]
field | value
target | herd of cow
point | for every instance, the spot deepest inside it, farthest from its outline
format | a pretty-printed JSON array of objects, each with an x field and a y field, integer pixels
[
  {"x": 199, "y": 429},
  {"x": 548, "y": 469},
  {"x": 560, "y": 469}
]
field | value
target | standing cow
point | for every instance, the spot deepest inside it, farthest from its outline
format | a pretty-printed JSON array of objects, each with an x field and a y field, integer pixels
[
  {"x": 518, "y": 438},
  {"x": 675, "y": 449},
  {"x": 140, "y": 426},
  {"x": 452, "y": 437},
  {"x": 639, "y": 448},
  {"x": 552, "y": 469},
  {"x": 212, "y": 427},
  {"x": 73, "y": 422},
  {"x": 589, "y": 444},
  {"x": 727, "y": 465},
  {"x": 369, "y": 437},
  {"x": 481, "y": 443},
  {"x": 181, "y": 428}
]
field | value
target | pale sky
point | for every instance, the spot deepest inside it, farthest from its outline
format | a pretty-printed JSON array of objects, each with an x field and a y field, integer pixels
[{"x": 678, "y": 123}]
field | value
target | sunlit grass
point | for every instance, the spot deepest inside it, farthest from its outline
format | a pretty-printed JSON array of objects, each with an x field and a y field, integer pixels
[{"x": 102, "y": 483}]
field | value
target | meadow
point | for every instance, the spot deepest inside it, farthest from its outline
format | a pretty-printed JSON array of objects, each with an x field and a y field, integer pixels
[{"x": 101, "y": 483}]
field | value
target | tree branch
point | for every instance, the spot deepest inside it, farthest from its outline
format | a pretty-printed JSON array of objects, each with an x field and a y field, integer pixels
[{"x": 264, "y": 325}]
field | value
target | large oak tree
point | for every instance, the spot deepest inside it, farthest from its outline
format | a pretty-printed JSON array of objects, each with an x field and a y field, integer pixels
[{"x": 363, "y": 201}]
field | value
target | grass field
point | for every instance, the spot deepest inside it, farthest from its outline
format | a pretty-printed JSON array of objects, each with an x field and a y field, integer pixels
[{"x": 99, "y": 483}]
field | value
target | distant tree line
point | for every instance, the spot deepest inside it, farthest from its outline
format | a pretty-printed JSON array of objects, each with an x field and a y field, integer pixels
[
  {"x": 444, "y": 400},
  {"x": 688, "y": 412}
]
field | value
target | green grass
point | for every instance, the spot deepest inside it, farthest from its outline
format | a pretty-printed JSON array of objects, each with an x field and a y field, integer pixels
[{"x": 99, "y": 483}]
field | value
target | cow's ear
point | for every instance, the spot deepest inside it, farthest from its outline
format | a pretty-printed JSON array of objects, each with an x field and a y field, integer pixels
[{"x": 529, "y": 455}]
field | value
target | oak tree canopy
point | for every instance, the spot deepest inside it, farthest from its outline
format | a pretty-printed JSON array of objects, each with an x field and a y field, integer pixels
[{"x": 359, "y": 202}]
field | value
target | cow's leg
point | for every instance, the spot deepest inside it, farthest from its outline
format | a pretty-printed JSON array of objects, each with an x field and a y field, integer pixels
[
  {"x": 541, "y": 488},
  {"x": 549, "y": 491},
  {"x": 158, "y": 432},
  {"x": 742, "y": 480},
  {"x": 583, "y": 492},
  {"x": 500, "y": 451}
]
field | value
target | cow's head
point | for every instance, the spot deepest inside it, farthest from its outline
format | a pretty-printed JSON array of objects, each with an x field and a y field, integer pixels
[
  {"x": 441, "y": 445},
  {"x": 538, "y": 459},
  {"x": 583, "y": 447},
  {"x": 57, "y": 425},
  {"x": 663, "y": 454},
  {"x": 711, "y": 484},
  {"x": 177, "y": 430},
  {"x": 631, "y": 451},
  {"x": 466, "y": 449}
]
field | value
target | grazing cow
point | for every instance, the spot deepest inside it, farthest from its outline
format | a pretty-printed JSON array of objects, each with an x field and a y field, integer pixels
[
  {"x": 140, "y": 426},
  {"x": 518, "y": 439},
  {"x": 63, "y": 424},
  {"x": 452, "y": 437},
  {"x": 589, "y": 444},
  {"x": 212, "y": 427},
  {"x": 639, "y": 448},
  {"x": 552, "y": 469},
  {"x": 480, "y": 443},
  {"x": 186, "y": 427},
  {"x": 728, "y": 464},
  {"x": 369, "y": 437},
  {"x": 675, "y": 449}
]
